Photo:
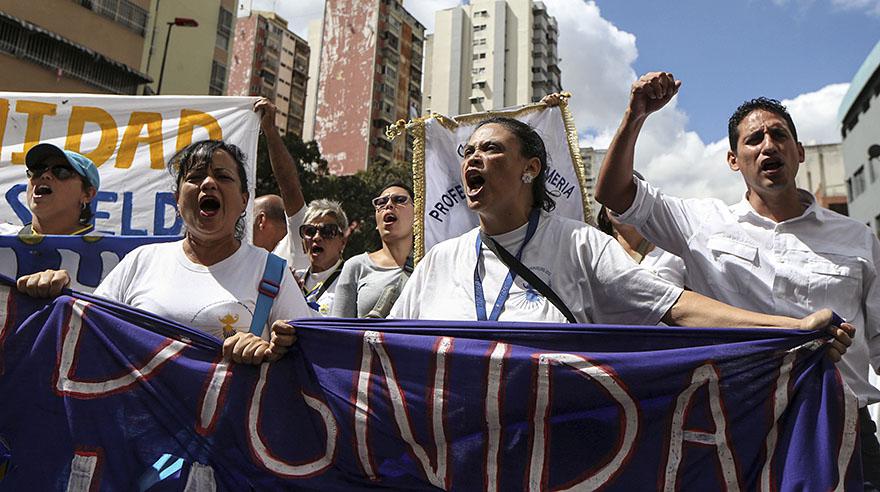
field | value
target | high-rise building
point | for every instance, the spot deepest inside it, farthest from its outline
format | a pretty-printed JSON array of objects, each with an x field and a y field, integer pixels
[
  {"x": 859, "y": 115},
  {"x": 269, "y": 60},
  {"x": 490, "y": 54},
  {"x": 592, "y": 163},
  {"x": 197, "y": 58},
  {"x": 369, "y": 77},
  {"x": 65, "y": 46},
  {"x": 822, "y": 174}
]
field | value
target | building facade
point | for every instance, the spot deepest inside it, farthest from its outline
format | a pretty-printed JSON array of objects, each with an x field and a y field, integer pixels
[
  {"x": 593, "y": 159},
  {"x": 859, "y": 115},
  {"x": 73, "y": 46},
  {"x": 368, "y": 77},
  {"x": 269, "y": 60},
  {"x": 822, "y": 174},
  {"x": 491, "y": 54},
  {"x": 197, "y": 58}
]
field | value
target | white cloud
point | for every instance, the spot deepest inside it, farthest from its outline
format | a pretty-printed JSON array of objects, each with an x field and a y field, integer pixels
[
  {"x": 815, "y": 114},
  {"x": 870, "y": 6}
]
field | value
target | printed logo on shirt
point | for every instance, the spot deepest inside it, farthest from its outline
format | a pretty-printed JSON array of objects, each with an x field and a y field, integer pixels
[
  {"x": 528, "y": 298},
  {"x": 228, "y": 323},
  {"x": 223, "y": 318}
]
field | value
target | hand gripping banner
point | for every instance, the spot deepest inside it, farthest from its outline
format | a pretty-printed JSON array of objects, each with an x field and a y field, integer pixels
[
  {"x": 441, "y": 208},
  {"x": 98, "y": 396}
]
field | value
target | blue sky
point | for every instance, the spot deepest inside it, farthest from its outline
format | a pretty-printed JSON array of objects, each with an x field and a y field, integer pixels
[
  {"x": 730, "y": 51},
  {"x": 803, "y": 52}
]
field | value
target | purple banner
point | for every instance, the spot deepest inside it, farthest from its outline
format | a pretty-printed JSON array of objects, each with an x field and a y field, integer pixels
[{"x": 97, "y": 396}]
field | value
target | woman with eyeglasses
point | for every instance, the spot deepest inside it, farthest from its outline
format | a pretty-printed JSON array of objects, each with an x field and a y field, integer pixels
[
  {"x": 323, "y": 235},
  {"x": 586, "y": 275},
  {"x": 61, "y": 186},
  {"x": 210, "y": 279},
  {"x": 367, "y": 276}
]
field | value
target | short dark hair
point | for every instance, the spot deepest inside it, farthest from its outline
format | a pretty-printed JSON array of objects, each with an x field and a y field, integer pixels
[
  {"x": 399, "y": 184},
  {"x": 198, "y": 155},
  {"x": 530, "y": 145},
  {"x": 744, "y": 109},
  {"x": 603, "y": 223}
]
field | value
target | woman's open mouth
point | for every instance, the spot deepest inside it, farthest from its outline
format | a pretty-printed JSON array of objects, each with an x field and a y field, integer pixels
[
  {"x": 209, "y": 206},
  {"x": 42, "y": 190},
  {"x": 389, "y": 218},
  {"x": 474, "y": 182},
  {"x": 316, "y": 250}
]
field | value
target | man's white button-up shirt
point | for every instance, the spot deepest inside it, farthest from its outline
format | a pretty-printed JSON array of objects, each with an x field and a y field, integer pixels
[{"x": 820, "y": 259}]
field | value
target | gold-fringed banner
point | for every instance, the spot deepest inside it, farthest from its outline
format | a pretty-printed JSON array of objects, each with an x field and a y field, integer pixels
[{"x": 440, "y": 204}]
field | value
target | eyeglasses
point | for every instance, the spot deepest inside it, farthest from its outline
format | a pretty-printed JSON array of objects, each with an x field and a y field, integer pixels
[
  {"x": 381, "y": 201},
  {"x": 60, "y": 171},
  {"x": 328, "y": 231}
]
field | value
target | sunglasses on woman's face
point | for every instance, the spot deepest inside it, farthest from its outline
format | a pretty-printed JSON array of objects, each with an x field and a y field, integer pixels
[
  {"x": 381, "y": 201},
  {"x": 61, "y": 172},
  {"x": 328, "y": 231}
]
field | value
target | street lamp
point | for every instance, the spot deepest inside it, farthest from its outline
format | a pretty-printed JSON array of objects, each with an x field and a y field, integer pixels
[{"x": 178, "y": 21}]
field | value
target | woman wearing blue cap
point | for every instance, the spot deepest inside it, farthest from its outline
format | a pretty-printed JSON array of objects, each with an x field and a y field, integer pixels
[{"x": 61, "y": 186}]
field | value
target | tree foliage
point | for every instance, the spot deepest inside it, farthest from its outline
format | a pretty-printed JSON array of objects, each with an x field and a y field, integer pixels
[{"x": 354, "y": 192}]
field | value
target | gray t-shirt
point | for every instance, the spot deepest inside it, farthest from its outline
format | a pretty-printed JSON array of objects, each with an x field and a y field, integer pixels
[{"x": 359, "y": 286}]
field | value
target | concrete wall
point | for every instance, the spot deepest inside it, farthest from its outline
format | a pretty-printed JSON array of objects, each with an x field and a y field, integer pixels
[
  {"x": 345, "y": 86},
  {"x": 241, "y": 70},
  {"x": 82, "y": 26},
  {"x": 865, "y": 207},
  {"x": 316, "y": 32}
]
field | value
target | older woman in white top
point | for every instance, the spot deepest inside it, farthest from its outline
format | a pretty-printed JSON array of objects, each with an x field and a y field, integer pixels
[
  {"x": 503, "y": 172},
  {"x": 209, "y": 280}
]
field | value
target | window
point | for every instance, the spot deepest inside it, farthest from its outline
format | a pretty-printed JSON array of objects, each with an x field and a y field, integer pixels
[
  {"x": 479, "y": 56},
  {"x": 479, "y": 41},
  {"x": 858, "y": 182},
  {"x": 218, "y": 79},
  {"x": 224, "y": 29},
  {"x": 122, "y": 11},
  {"x": 481, "y": 27},
  {"x": 478, "y": 84},
  {"x": 478, "y": 70},
  {"x": 481, "y": 13},
  {"x": 390, "y": 40},
  {"x": 394, "y": 23},
  {"x": 849, "y": 189}
]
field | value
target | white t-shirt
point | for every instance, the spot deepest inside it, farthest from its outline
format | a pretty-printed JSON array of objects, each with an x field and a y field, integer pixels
[
  {"x": 218, "y": 299},
  {"x": 587, "y": 269},
  {"x": 313, "y": 282},
  {"x": 290, "y": 247},
  {"x": 666, "y": 265},
  {"x": 819, "y": 259}
]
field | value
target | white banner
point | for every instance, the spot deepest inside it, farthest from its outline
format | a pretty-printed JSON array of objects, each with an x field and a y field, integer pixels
[
  {"x": 130, "y": 139},
  {"x": 441, "y": 208}
]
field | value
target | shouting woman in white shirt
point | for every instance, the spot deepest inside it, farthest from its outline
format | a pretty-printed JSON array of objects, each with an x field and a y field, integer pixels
[
  {"x": 210, "y": 279},
  {"x": 503, "y": 171},
  {"x": 323, "y": 235}
]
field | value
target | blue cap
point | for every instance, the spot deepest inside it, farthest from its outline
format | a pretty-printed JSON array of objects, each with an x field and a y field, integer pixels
[{"x": 80, "y": 163}]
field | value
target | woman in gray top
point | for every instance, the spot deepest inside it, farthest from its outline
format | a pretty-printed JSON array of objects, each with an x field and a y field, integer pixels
[{"x": 365, "y": 276}]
